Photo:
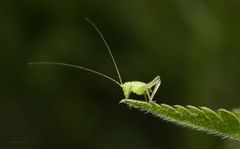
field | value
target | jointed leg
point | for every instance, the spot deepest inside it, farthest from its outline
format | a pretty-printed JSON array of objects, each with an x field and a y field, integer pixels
[
  {"x": 148, "y": 95},
  {"x": 129, "y": 92},
  {"x": 145, "y": 97},
  {"x": 155, "y": 90}
]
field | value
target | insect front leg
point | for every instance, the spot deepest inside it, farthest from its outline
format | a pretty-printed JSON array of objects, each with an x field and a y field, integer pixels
[{"x": 129, "y": 92}]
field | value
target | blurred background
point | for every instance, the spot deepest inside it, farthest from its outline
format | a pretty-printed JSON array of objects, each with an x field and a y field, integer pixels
[{"x": 192, "y": 44}]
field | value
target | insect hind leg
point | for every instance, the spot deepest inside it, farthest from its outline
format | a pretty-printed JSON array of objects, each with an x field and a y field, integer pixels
[{"x": 155, "y": 90}]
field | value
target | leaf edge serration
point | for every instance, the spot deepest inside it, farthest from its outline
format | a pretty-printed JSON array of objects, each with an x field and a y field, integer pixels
[{"x": 222, "y": 122}]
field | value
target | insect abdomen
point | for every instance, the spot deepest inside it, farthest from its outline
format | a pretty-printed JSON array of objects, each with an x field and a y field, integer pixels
[{"x": 136, "y": 87}]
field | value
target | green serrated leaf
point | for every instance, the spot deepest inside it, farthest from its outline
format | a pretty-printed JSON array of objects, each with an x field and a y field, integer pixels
[{"x": 222, "y": 123}]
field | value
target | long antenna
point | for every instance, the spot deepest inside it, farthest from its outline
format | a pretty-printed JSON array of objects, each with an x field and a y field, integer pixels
[
  {"x": 75, "y": 66},
  {"x": 106, "y": 44}
]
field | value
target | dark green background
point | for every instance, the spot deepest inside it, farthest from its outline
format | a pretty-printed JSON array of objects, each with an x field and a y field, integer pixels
[{"x": 194, "y": 45}]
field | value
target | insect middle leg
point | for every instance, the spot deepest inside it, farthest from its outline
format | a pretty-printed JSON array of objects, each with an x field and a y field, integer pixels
[
  {"x": 145, "y": 97},
  {"x": 148, "y": 94}
]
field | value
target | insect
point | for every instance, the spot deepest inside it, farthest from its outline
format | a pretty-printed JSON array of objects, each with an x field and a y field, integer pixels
[{"x": 137, "y": 87}]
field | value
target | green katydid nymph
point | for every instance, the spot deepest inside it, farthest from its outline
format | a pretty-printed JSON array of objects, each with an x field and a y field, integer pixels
[{"x": 137, "y": 87}]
